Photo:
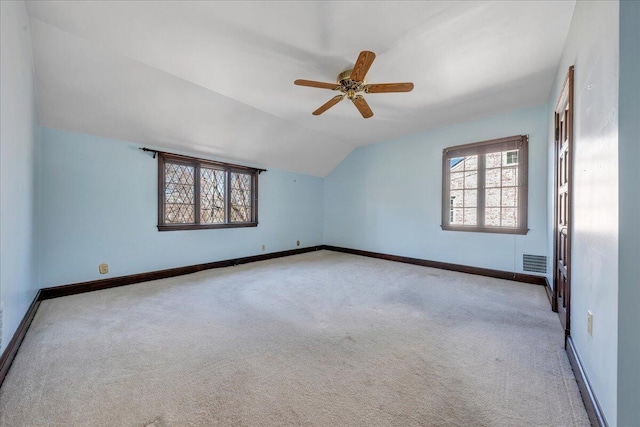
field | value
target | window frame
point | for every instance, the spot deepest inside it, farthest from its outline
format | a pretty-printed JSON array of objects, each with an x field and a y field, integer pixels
[
  {"x": 516, "y": 142},
  {"x": 197, "y": 164}
]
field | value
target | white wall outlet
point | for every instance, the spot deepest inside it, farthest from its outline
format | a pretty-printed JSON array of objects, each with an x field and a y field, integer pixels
[
  {"x": 103, "y": 268},
  {"x": 590, "y": 322},
  {"x": 297, "y": 242},
  {"x": 264, "y": 247}
]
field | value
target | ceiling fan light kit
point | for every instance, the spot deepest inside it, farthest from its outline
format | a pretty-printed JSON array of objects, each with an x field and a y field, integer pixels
[{"x": 353, "y": 86}]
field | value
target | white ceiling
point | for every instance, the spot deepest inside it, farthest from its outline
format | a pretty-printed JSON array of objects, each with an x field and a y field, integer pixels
[{"x": 216, "y": 78}]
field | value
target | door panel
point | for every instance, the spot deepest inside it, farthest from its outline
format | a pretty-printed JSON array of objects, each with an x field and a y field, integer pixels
[{"x": 562, "y": 203}]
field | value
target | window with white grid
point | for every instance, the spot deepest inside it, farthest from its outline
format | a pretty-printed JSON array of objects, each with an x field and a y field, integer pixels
[{"x": 485, "y": 186}]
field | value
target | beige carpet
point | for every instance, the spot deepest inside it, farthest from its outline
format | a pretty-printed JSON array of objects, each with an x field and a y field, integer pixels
[{"x": 320, "y": 339}]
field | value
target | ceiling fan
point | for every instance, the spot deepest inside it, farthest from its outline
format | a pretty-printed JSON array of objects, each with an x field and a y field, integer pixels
[{"x": 351, "y": 84}]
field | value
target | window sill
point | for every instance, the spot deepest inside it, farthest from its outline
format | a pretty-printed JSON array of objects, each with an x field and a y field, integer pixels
[
  {"x": 494, "y": 230},
  {"x": 178, "y": 227}
]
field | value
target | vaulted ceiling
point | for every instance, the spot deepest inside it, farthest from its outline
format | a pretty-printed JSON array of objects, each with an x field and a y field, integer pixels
[{"x": 216, "y": 78}]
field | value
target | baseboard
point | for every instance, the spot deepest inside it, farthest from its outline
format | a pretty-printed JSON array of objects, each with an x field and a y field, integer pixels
[
  {"x": 596, "y": 416},
  {"x": 76, "y": 288},
  {"x": 552, "y": 300},
  {"x": 499, "y": 274},
  {"x": 96, "y": 285},
  {"x": 10, "y": 352}
]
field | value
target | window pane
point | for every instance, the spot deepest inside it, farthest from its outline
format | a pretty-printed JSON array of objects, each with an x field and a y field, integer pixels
[
  {"x": 212, "y": 188},
  {"x": 471, "y": 163},
  {"x": 457, "y": 180},
  {"x": 470, "y": 216},
  {"x": 492, "y": 217},
  {"x": 510, "y": 196},
  {"x": 456, "y": 198},
  {"x": 492, "y": 197},
  {"x": 471, "y": 179},
  {"x": 510, "y": 158},
  {"x": 457, "y": 216},
  {"x": 492, "y": 178},
  {"x": 509, "y": 217},
  {"x": 240, "y": 197},
  {"x": 509, "y": 177},
  {"x": 179, "y": 214},
  {"x": 456, "y": 164},
  {"x": 494, "y": 160},
  {"x": 470, "y": 198},
  {"x": 179, "y": 194}
]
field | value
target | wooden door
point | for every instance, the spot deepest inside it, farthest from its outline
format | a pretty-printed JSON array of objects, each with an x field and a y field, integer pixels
[{"x": 563, "y": 203}]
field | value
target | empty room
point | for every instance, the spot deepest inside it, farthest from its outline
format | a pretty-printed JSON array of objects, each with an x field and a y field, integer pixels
[{"x": 319, "y": 213}]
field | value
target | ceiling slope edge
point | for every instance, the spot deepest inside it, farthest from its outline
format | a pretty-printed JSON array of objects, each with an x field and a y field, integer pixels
[{"x": 296, "y": 149}]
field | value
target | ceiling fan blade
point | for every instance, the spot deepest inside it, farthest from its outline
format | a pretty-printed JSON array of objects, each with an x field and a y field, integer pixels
[
  {"x": 362, "y": 106},
  {"x": 364, "y": 61},
  {"x": 321, "y": 85},
  {"x": 389, "y": 87},
  {"x": 333, "y": 101}
]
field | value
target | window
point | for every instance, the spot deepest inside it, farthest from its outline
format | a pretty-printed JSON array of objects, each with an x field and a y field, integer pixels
[
  {"x": 197, "y": 193},
  {"x": 485, "y": 186}
]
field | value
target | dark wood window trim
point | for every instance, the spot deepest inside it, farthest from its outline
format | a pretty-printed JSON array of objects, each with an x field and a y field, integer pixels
[
  {"x": 198, "y": 164},
  {"x": 516, "y": 142}
]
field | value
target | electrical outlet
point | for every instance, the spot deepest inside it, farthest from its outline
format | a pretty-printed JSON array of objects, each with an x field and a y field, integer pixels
[
  {"x": 297, "y": 242},
  {"x": 103, "y": 268},
  {"x": 590, "y": 322},
  {"x": 264, "y": 247}
]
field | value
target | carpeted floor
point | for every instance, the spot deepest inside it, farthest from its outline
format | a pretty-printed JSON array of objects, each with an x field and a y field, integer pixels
[{"x": 320, "y": 339}]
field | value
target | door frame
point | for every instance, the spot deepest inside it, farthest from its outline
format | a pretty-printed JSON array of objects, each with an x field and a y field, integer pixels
[{"x": 566, "y": 96}]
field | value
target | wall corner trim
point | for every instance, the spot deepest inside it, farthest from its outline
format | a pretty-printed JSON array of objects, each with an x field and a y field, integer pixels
[
  {"x": 552, "y": 300},
  {"x": 96, "y": 285},
  {"x": 497, "y": 274},
  {"x": 10, "y": 352},
  {"x": 596, "y": 416},
  {"x": 75, "y": 288}
]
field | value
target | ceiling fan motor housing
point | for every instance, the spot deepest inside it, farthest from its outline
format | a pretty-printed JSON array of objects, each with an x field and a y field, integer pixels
[{"x": 348, "y": 86}]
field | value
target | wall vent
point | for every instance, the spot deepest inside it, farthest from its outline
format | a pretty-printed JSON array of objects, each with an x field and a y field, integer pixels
[{"x": 534, "y": 263}]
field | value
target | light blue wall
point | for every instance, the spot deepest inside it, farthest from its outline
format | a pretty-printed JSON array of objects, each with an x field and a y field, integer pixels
[
  {"x": 387, "y": 197},
  {"x": 629, "y": 196},
  {"x": 99, "y": 204},
  {"x": 18, "y": 162},
  {"x": 593, "y": 47}
]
